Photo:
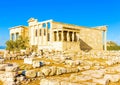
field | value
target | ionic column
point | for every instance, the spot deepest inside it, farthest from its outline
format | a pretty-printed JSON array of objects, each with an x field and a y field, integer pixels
[
  {"x": 62, "y": 37},
  {"x": 34, "y": 35},
  {"x": 72, "y": 36},
  {"x": 38, "y": 32},
  {"x": 46, "y": 32},
  {"x": 77, "y": 34},
  {"x": 53, "y": 36},
  {"x": 68, "y": 37},
  {"x": 105, "y": 46},
  {"x": 57, "y": 35},
  {"x": 14, "y": 36}
]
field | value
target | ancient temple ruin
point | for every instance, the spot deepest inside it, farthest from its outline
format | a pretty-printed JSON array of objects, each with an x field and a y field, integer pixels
[{"x": 54, "y": 35}]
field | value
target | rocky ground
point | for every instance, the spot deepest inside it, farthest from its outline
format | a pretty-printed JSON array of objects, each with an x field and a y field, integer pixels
[{"x": 61, "y": 68}]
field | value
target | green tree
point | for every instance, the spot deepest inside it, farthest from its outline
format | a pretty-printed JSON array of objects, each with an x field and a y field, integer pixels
[
  {"x": 18, "y": 44},
  {"x": 10, "y": 45},
  {"x": 22, "y": 42}
]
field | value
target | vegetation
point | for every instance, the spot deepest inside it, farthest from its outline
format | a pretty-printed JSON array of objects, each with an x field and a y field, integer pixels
[
  {"x": 112, "y": 46},
  {"x": 17, "y": 45}
]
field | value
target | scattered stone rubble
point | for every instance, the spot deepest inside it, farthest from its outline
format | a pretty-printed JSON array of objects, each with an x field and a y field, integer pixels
[{"x": 81, "y": 68}]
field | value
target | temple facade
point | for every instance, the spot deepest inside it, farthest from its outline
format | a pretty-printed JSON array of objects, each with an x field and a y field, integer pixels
[
  {"x": 17, "y": 31},
  {"x": 60, "y": 36}
]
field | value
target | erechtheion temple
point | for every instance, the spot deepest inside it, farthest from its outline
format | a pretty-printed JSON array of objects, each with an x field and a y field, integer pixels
[{"x": 60, "y": 36}]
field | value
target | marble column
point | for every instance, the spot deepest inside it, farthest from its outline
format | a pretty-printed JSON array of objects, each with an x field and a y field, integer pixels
[
  {"x": 68, "y": 36},
  {"x": 14, "y": 36},
  {"x": 57, "y": 35},
  {"x": 105, "y": 46},
  {"x": 38, "y": 30},
  {"x": 42, "y": 35},
  {"x": 34, "y": 34},
  {"x": 62, "y": 37},
  {"x": 46, "y": 32},
  {"x": 77, "y": 35},
  {"x": 72, "y": 36}
]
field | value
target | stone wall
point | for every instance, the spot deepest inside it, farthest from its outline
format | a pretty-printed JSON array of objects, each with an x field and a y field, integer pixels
[{"x": 91, "y": 39}]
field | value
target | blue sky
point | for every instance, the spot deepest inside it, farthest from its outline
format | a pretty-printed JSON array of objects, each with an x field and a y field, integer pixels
[{"x": 80, "y": 12}]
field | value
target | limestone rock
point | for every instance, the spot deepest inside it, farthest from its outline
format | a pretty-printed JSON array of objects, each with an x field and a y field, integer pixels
[
  {"x": 10, "y": 74},
  {"x": 11, "y": 68},
  {"x": 53, "y": 70},
  {"x": 46, "y": 71},
  {"x": 31, "y": 73},
  {"x": 65, "y": 83},
  {"x": 44, "y": 82},
  {"x": 59, "y": 71},
  {"x": 68, "y": 70},
  {"x": 28, "y": 60},
  {"x": 9, "y": 83},
  {"x": 54, "y": 82},
  {"x": 1, "y": 61},
  {"x": 112, "y": 77},
  {"x": 40, "y": 74},
  {"x": 2, "y": 67},
  {"x": 36, "y": 64},
  {"x": 103, "y": 81}
]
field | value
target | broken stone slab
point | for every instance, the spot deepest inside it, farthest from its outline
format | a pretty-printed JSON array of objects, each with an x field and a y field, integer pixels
[
  {"x": 74, "y": 70},
  {"x": 111, "y": 70},
  {"x": 54, "y": 82},
  {"x": 12, "y": 68},
  {"x": 112, "y": 77},
  {"x": 64, "y": 83},
  {"x": 2, "y": 77},
  {"x": 59, "y": 71},
  {"x": 28, "y": 60},
  {"x": 97, "y": 75},
  {"x": 10, "y": 79},
  {"x": 88, "y": 83},
  {"x": 10, "y": 74},
  {"x": 40, "y": 74},
  {"x": 86, "y": 67},
  {"x": 2, "y": 61},
  {"x": 20, "y": 78},
  {"x": 103, "y": 81},
  {"x": 62, "y": 69},
  {"x": 46, "y": 71},
  {"x": 78, "y": 62},
  {"x": 9, "y": 83},
  {"x": 2, "y": 67},
  {"x": 76, "y": 84},
  {"x": 37, "y": 64},
  {"x": 44, "y": 82},
  {"x": 46, "y": 63},
  {"x": 70, "y": 62},
  {"x": 68, "y": 70},
  {"x": 80, "y": 78},
  {"x": 53, "y": 70},
  {"x": 80, "y": 68},
  {"x": 31, "y": 74}
]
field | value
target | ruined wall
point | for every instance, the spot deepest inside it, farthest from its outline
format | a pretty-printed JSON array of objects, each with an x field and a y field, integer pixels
[{"x": 91, "y": 39}]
